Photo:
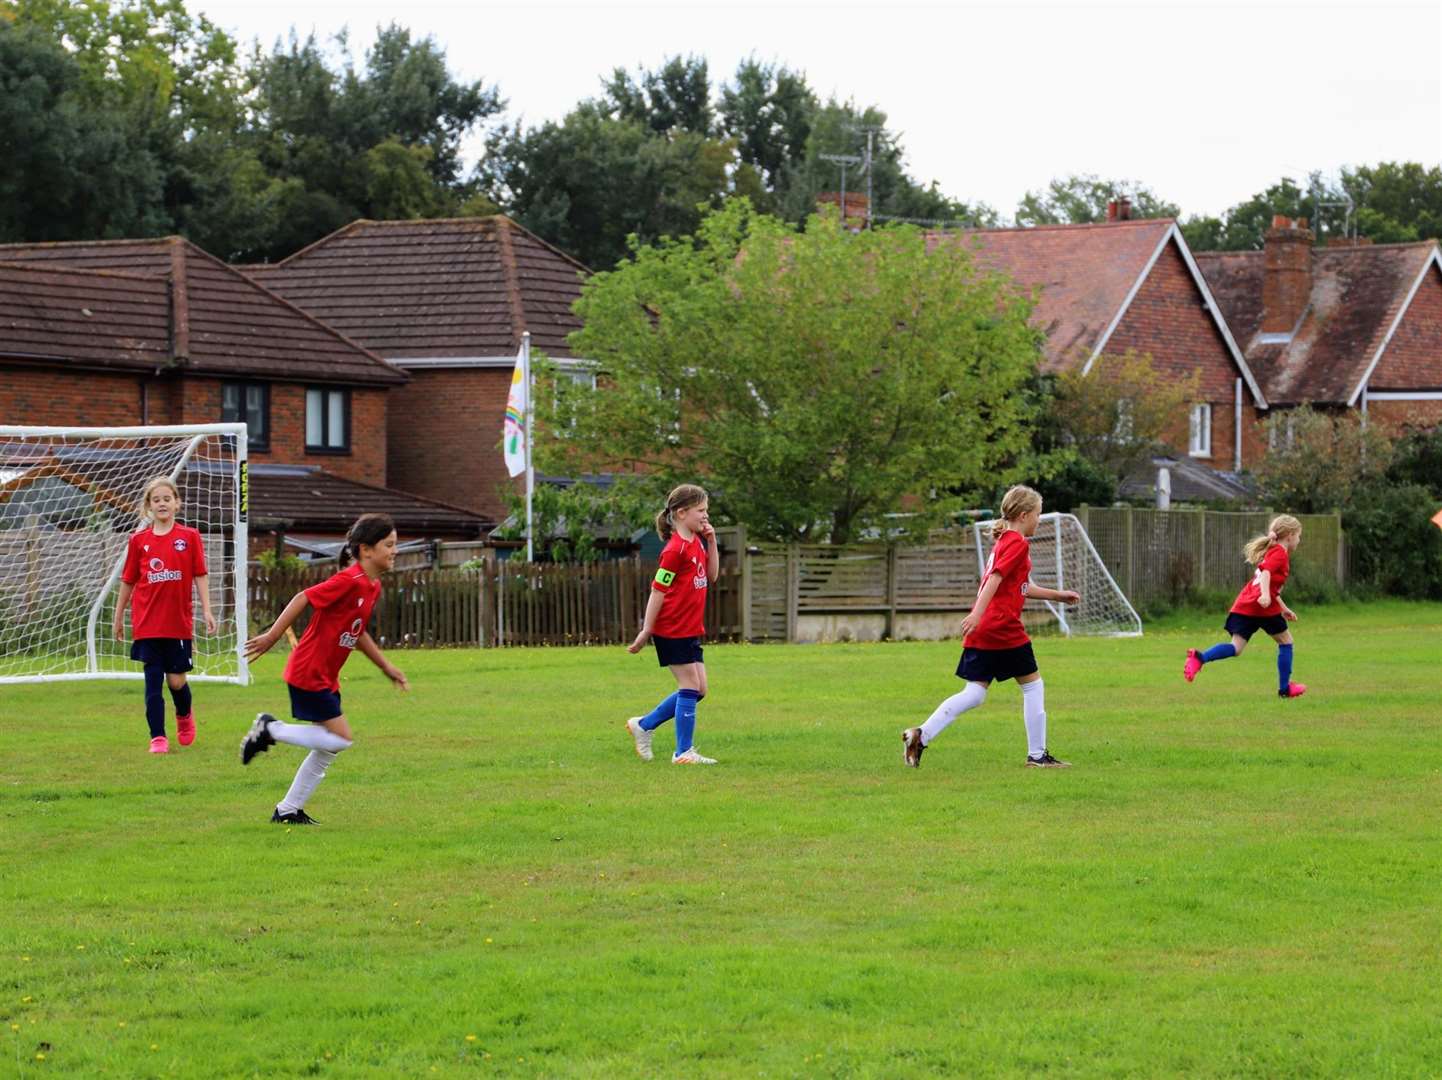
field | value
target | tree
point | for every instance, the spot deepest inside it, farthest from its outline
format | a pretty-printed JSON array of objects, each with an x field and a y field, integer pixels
[
  {"x": 815, "y": 381},
  {"x": 768, "y": 111},
  {"x": 1079, "y": 199},
  {"x": 676, "y": 98},
  {"x": 1318, "y": 460},
  {"x": 1117, "y": 414}
]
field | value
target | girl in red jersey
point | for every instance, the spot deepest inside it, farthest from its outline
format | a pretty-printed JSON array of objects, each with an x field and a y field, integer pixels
[
  {"x": 1259, "y": 605},
  {"x": 674, "y": 619},
  {"x": 343, "y": 605},
  {"x": 164, "y": 564},
  {"x": 995, "y": 644}
]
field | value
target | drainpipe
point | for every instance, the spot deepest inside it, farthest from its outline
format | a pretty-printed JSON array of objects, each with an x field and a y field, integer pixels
[{"x": 1237, "y": 426}]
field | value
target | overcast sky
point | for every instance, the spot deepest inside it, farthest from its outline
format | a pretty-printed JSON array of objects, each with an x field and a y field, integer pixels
[{"x": 1204, "y": 104}]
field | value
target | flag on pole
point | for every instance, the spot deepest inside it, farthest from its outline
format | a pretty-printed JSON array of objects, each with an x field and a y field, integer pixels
[{"x": 514, "y": 433}]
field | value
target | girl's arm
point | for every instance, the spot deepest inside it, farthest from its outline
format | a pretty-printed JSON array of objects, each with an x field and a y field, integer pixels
[
  {"x": 648, "y": 624},
  {"x": 367, "y": 645},
  {"x": 203, "y": 583},
  {"x": 1264, "y": 588},
  {"x": 973, "y": 617},
  {"x": 259, "y": 645},
  {"x": 122, "y": 601},
  {"x": 1066, "y": 596},
  {"x": 713, "y": 552}
]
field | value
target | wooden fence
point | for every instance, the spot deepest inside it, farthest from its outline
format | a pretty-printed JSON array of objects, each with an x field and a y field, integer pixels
[{"x": 781, "y": 592}]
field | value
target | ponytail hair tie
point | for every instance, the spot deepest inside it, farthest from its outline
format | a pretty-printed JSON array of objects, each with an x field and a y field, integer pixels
[{"x": 1272, "y": 535}]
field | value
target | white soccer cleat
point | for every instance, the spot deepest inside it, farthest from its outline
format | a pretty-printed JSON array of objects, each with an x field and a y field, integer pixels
[
  {"x": 642, "y": 737},
  {"x": 692, "y": 757}
]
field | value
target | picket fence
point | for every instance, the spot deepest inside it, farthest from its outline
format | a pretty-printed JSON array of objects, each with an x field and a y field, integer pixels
[{"x": 769, "y": 592}]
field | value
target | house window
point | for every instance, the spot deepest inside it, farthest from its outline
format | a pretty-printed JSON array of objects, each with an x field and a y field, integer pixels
[
  {"x": 1201, "y": 439},
  {"x": 248, "y": 403},
  {"x": 1282, "y": 433},
  {"x": 327, "y": 421}
]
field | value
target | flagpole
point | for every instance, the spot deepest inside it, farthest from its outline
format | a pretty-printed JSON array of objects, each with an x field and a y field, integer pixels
[{"x": 530, "y": 465}]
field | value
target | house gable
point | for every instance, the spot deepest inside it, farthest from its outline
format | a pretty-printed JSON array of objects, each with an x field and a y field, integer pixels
[{"x": 1409, "y": 359}]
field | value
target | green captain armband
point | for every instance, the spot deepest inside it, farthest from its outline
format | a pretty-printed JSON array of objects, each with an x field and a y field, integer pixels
[{"x": 664, "y": 577}]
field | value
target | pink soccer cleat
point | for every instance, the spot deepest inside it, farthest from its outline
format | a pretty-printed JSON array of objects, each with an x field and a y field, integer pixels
[
  {"x": 185, "y": 728},
  {"x": 1192, "y": 666},
  {"x": 1294, "y": 689},
  {"x": 160, "y": 745}
]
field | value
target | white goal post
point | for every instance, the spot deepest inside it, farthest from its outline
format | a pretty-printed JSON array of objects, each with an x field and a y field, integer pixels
[
  {"x": 69, "y": 502},
  {"x": 1062, "y": 557}
]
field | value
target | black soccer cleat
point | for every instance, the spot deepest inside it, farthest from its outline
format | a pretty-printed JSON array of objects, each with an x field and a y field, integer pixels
[
  {"x": 1046, "y": 761},
  {"x": 295, "y": 817},
  {"x": 258, "y": 739},
  {"x": 911, "y": 746}
]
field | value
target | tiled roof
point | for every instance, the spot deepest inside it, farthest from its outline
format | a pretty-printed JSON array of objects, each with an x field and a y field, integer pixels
[
  {"x": 1357, "y": 294},
  {"x": 463, "y": 287},
  {"x": 100, "y": 318},
  {"x": 1191, "y": 482},
  {"x": 313, "y": 500},
  {"x": 215, "y": 319},
  {"x": 1084, "y": 272}
]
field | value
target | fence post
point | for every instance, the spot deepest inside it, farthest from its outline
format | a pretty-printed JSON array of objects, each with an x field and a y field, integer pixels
[
  {"x": 1131, "y": 542},
  {"x": 793, "y": 591},
  {"x": 743, "y": 566},
  {"x": 1341, "y": 562},
  {"x": 892, "y": 586},
  {"x": 1201, "y": 548},
  {"x": 484, "y": 632}
]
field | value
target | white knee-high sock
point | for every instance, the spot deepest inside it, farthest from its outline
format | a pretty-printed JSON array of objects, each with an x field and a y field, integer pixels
[
  {"x": 950, "y": 709},
  {"x": 307, "y": 778},
  {"x": 310, "y": 736},
  {"x": 1033, "y": 713}
]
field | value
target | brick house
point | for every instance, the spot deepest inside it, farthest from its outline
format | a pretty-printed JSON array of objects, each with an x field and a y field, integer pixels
[
  {"x": 445, "y": 301},
  {"x": 121, "y": 333},
  {"x": 1350, "y": 326},
  {"x": 1125, "y": 284}
]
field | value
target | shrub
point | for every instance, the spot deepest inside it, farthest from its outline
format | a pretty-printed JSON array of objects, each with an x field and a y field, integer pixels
[{"x": 1394, "y": 545}]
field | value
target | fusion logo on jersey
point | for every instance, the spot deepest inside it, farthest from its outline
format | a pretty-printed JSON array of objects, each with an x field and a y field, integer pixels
[
  {"x": 158, "y": 573},
  {"x": 350, "y": 638}
]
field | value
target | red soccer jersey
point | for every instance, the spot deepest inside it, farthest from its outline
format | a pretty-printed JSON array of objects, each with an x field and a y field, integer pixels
[
  {"x": 162, "y": 570},
  {"x": 342, "y": 606},
  {"x": 1279, "y": 563},
  {"x": 682, "y": 577},
  {"x": 1000, "y": 626}
]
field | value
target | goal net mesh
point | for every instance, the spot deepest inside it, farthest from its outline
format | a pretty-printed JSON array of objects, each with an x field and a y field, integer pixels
[{"x": 69, "y": 501}]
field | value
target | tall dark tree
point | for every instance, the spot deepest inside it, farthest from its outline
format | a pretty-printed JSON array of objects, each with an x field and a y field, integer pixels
[{"x": 674, "y": 98}]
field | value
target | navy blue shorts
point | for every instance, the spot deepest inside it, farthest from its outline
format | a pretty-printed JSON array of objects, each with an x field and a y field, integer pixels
[
  {"x": 1245, "y": 626},
  {"x": 677, "y": 650},
  {"x": 996, "y": 665},
  {"x": 171, "y": 655},
  {"x": 316, "y": 706}
]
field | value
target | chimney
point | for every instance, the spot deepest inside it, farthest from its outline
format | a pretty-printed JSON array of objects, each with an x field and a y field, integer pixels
[
  {"x": 855, "y": 210},
  {"x": 1287, "y": 280},
  {"x": 1119, "y": 209}
]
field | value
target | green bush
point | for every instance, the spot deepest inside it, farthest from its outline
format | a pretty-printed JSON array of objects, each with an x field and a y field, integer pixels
[{"x": 1395, "y": 547}]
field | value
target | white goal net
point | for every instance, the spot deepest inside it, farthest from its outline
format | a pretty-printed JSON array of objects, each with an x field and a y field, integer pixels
[
  {"x": 69, "y": 501},
  {"x": 1062, "y": 557}
]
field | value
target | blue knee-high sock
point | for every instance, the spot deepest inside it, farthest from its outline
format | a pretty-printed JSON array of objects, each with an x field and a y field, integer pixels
[
  {"x": 155, "y": 699},
  {"x": 181, "y": 696},
  {"x": 1219, "y": 652},
  {"x": 1284, "y": 667},
  {"x": 660, "y": 714},
  {"x": 685, "y": 719}
]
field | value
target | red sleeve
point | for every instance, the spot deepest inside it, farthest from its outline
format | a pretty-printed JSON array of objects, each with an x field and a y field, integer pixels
[
  {"x": 672, "y": 563},
  {"x": 131, "y": 574},
  {"x": 326, "y": 593},
  {"x": 1008, "y": 554},
  {"x": 197, "y": 545}
]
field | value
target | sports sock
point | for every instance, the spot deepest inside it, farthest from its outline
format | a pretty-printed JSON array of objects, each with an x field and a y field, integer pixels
[
  {"x": 1284, "y": 667},
  {"x": 685, "y": 719},
  {"x": 1033, "y": 714},
  {"x": 181, "y": 696},
  {"x": 307, "y": 735},
  {"x": 950, "y": 709},
  {"x": 155, "y": 699},
  {"x": 307, "y": 778},
  {"x": 1218, "y": 652},
  {"x": 660, "y": 714}
]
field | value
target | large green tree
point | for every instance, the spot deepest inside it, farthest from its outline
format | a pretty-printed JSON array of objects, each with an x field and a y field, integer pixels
[
  {"x": 1079, "y": 199},
  {"x": 817, "y": 381}
]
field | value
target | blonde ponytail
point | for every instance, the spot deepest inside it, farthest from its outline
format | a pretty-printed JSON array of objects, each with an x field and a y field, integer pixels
[
  {"x": 682, "y": 497},
  {"x": 1017, "y": 501},
  {"x": 1282, "y": 526}
]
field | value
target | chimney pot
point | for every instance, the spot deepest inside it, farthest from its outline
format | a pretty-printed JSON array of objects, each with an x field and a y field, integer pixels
[
  {"x": 1124, "y": 209},
  {"x": 1112, "y": 210},
  {"x": 1280, "y": 221}
]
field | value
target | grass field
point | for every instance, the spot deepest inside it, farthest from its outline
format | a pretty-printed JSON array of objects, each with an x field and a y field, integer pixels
[{"x": 1225, "y": 884}]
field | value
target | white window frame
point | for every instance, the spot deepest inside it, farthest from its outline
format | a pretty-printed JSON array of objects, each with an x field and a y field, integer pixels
[
  {"x": 1289, "y": 434},
  {"x": 1200, "y": 430}
]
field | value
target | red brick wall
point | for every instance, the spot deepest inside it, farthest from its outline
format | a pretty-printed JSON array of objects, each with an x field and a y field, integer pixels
[
  {"x": 1398, "y": 415},
  {"x": 32, "y": 395},
  {"x": 1413, "y": 358},
  {"x": 1167, "y": 319},
  {"x": 445, "y": 437}
]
